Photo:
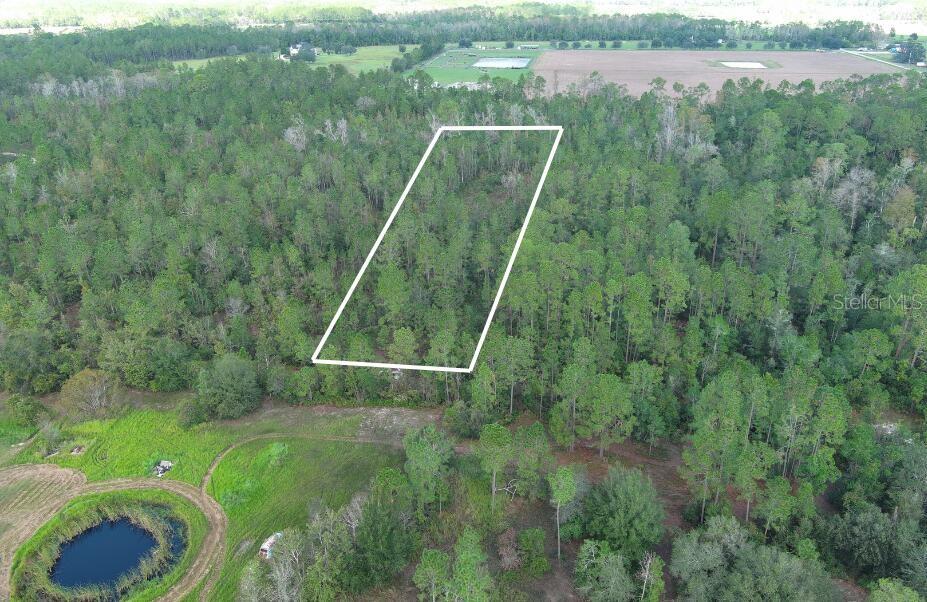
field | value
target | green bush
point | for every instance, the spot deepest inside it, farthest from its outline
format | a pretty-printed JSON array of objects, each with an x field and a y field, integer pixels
[
  {"x": 623, "y": 510},
  {"x": 531, "y": 548},
  {"x": 227, "y": 389}
]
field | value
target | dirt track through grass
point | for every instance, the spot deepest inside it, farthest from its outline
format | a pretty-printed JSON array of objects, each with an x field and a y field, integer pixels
[{"x": 30, "y": 494}]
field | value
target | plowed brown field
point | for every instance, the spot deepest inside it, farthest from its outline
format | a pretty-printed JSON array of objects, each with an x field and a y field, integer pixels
[{"x": 636, "y": 69}]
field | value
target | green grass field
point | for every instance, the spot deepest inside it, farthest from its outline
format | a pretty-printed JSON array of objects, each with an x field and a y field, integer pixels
[
  {"x": 367, "y": 58},
  {"x": 200, "y": 63},
  {"x": 266, "y": 486},
  {"x": 130, "y": 445},
  {"x": 455, "y": 64}
]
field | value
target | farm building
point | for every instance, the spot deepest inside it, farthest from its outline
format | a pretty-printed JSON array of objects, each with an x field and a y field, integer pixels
[{"x": 268, "y": 545}]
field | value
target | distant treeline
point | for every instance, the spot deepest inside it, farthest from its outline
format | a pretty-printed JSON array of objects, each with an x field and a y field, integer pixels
[{"x": 23, "y": 59}]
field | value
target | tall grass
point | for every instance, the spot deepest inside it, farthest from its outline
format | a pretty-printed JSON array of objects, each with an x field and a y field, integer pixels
[
  {"x": 131, "y": 444},
  {"x": 266, "y": 486}
]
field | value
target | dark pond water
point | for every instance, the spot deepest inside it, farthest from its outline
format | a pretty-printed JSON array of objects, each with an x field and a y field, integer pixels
[{"x": 101, "y": 554}]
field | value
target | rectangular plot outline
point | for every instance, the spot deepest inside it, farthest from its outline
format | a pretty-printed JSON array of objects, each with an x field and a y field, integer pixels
[{"x": 508, "y": 268}]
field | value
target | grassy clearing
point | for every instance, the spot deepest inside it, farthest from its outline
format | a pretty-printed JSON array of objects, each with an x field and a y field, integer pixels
[
  {"x": 455, "y": 64},
  {"x": 200, "y": 63},
  {"x": 13, "y": 432},
  {"x": 367, "y": 58},
  {"x": 130, "y": 445},
  {"x": 266, "y": 486},
  {"x": 147, "y": 507}
]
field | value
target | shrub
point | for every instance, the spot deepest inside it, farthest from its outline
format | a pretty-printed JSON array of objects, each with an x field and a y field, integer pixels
[
  {"x": 601, "y": 575},
  {"x": 228, "y": 388},
  {"x": 23, "y": 409},
  {"x": 533, "y": 556},
  {"x": 89, "y": 394},
  {"x": 623, "y": 510}
]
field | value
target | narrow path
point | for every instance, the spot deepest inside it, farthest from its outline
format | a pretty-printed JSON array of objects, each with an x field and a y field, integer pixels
[{"x": 868, "y": 57}]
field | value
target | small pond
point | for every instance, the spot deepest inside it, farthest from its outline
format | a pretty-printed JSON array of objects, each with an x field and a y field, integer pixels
[{"x": 102, "y": 554}]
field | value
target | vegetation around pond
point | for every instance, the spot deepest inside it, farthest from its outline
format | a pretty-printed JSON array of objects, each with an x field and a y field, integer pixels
[{"x": 157, "y": 512}]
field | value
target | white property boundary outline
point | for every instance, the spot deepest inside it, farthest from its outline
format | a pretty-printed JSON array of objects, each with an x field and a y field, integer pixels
[{"x": 392, "y": 216}]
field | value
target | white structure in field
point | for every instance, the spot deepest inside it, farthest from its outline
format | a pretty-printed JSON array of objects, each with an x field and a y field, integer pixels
[
  {"x": 743, "y": 64},
  {"x": 392, "y": 216},
  {"x": 502, "y": 63}
]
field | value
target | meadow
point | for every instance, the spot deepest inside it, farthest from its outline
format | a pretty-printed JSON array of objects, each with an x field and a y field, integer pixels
[
  {"x": 131, "y": 444},
  {"x": 200, "y": 63},
  {"x": 266, "y": 486},
  {"x": 455, "y": 64},
  {"x": 367, "y": 58}
]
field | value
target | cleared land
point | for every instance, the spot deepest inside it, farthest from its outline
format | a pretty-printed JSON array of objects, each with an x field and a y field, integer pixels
[
  {"x": 327, "y": 453},
  {"x": 265, "y": 486},
  {"x": 457, "y": 64},
  {"x": 636, "y": 70},
  {"x": 367, "y": 58}
]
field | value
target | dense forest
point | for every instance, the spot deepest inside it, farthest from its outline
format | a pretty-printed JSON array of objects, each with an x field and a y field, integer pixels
[
  {"x": 743, "y": 271},
  {"x": 416, "y": 303}
]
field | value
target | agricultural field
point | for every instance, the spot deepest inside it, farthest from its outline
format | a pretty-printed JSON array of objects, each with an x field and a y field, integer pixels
[
  {"x": 266, "y": 486},
  {"x": 563, "y": 68},
  {"x": 457, "y": 64}
]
